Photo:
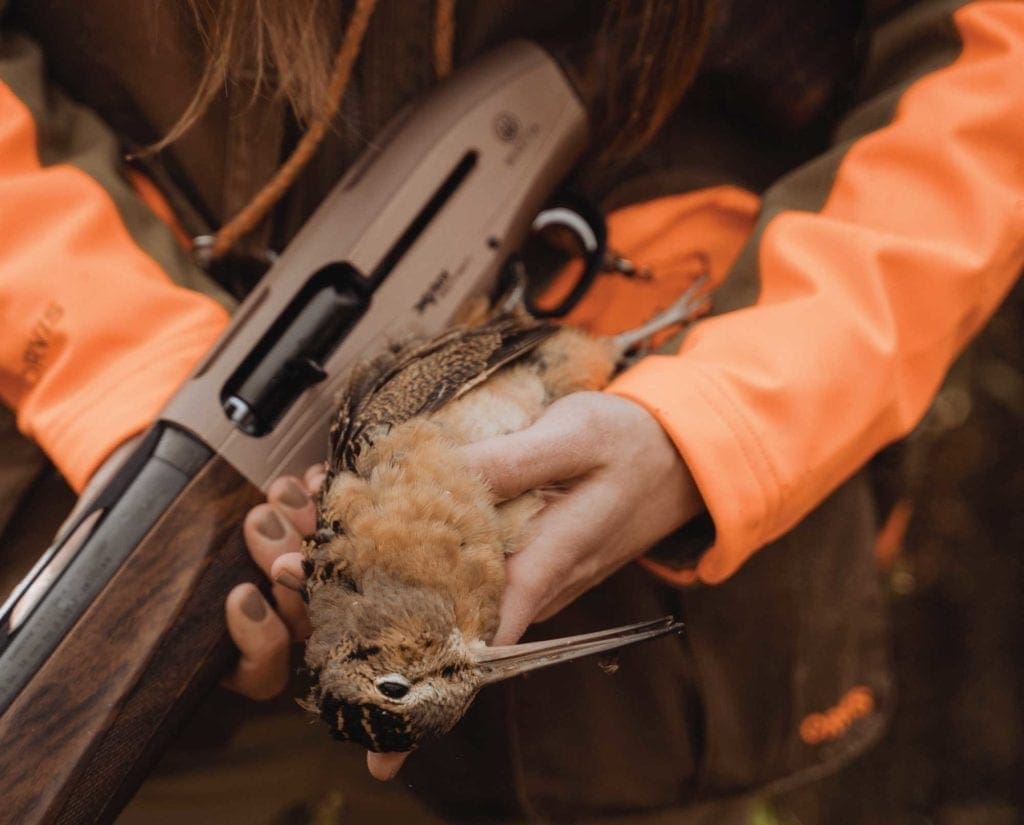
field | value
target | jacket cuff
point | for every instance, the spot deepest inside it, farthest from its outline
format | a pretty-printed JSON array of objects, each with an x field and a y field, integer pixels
[
  {"x": 78, "y": 423},
  {"x": 722, "y": 452}
]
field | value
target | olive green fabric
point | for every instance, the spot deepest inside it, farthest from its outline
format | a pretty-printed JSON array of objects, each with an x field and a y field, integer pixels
[
  {"x": 67, "y": 133},
  {"x": 904, "y": 49}
]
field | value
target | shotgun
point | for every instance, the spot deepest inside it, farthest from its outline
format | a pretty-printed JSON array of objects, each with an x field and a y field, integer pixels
[{"x": 100, "y": 667}]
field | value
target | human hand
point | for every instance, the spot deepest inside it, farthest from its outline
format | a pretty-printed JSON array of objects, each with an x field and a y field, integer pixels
[
  {"x": 626, "y": 487},
  {"x": 273, "y": 533}
]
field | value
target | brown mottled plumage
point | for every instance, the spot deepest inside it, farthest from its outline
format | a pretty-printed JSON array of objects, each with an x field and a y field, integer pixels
[
  {"x": 421, "y": 378},
  {"x": 406, "y": 569}
]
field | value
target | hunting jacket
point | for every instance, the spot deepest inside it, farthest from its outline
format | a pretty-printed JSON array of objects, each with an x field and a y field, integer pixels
[{"x": 849, "y": 175}]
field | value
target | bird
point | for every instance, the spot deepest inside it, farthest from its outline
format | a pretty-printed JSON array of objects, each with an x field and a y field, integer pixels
[{"x": 405, "y": 571}]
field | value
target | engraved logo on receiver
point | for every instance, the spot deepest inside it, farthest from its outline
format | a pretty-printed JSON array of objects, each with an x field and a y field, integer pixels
[
  {"x": 438, "y": 287},
  {"x": 513, "y": 132},
  {"x": 441, "y": 286},
  {"x": 507, "y": 127}
]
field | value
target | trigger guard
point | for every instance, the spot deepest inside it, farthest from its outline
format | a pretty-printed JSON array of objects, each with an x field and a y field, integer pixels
[{"x": 581, "y": 217}]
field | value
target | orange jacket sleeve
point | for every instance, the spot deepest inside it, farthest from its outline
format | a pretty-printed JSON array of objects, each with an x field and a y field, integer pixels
[
  {"x": 867, "y": 291},
  {"x": 94, "y": 333}
]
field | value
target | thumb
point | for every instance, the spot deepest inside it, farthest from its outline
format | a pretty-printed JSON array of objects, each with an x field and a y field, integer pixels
[{"x": 550, "y": 450}]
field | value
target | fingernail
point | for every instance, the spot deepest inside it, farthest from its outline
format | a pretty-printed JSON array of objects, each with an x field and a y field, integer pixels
[
  {"x": 253, "y": 606},
  {"x": 286, "y": 579},
  {"x": 271, "y": 526},
  {"x": 293, "y": 496}
]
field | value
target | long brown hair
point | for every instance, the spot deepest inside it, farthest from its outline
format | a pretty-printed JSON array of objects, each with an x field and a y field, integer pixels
[{"x": 644, "y": 57}]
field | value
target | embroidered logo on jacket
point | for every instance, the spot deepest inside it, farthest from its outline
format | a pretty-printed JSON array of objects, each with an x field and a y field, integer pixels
[
  {"x": 834, "y": 722},
  {"x": 40, "y": 343}
]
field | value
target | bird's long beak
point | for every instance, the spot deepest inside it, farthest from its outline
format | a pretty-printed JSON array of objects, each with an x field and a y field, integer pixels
[{"x": 503, "y": 662}]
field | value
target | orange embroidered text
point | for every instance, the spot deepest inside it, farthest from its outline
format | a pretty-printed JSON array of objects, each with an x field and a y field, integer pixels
[{"x": 834, "y": 722}]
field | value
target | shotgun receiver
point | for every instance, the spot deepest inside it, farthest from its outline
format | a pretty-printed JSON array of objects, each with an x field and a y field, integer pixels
[{"x": 101, "y": 668}]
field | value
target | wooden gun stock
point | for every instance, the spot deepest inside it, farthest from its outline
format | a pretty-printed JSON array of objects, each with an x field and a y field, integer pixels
[{"x": 83, "y": 734}]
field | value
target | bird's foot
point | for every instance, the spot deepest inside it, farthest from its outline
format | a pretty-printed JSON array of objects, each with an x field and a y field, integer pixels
[
  {"x": 513, "y": 300},
  {"x": 682, "y": 311}
]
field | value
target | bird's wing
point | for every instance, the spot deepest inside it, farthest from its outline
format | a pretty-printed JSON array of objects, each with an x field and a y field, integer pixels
[{"x": 422, "y": 377}]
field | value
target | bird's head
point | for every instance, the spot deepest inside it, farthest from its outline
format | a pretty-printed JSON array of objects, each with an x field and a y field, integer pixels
[{"x": 392, "y": 670}]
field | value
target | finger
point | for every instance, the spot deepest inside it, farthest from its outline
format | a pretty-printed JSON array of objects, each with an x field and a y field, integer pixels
[
  {"x": 263, "y": 642},
  {"x": 562, "y": 600},
  {"x": 314, "y": 477},
  {"x": 552, "y": 449},
  {"x": 287, "y": 571},
  {"x": 528, "y": 587},
  {"x": 292, "y": 609},
  {"x": 289, "y": 578},
  {"x": 559, "y": 562},
  {"x": 268, "y": 535},
  {"x": 384, "y": 766},
  {"x": 516, "y": 615},
  {"x": 289, "y": 496}
]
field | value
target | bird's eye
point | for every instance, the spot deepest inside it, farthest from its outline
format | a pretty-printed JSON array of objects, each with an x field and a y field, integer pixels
[{"x": 393, "y": 686}]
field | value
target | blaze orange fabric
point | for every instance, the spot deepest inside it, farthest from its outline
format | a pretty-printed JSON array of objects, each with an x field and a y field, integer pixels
[
  {"x": 863, "y": 305},
  {"x": 96, "y": 336},
  {"x": 679, "y": 238}
]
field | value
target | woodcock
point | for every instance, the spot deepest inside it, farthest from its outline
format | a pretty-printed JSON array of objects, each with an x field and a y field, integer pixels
[{"x": 406, "y": 569}]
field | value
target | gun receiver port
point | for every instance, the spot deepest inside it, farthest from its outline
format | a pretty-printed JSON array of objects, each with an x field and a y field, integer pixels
[{"x": 289, "y": 358}]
